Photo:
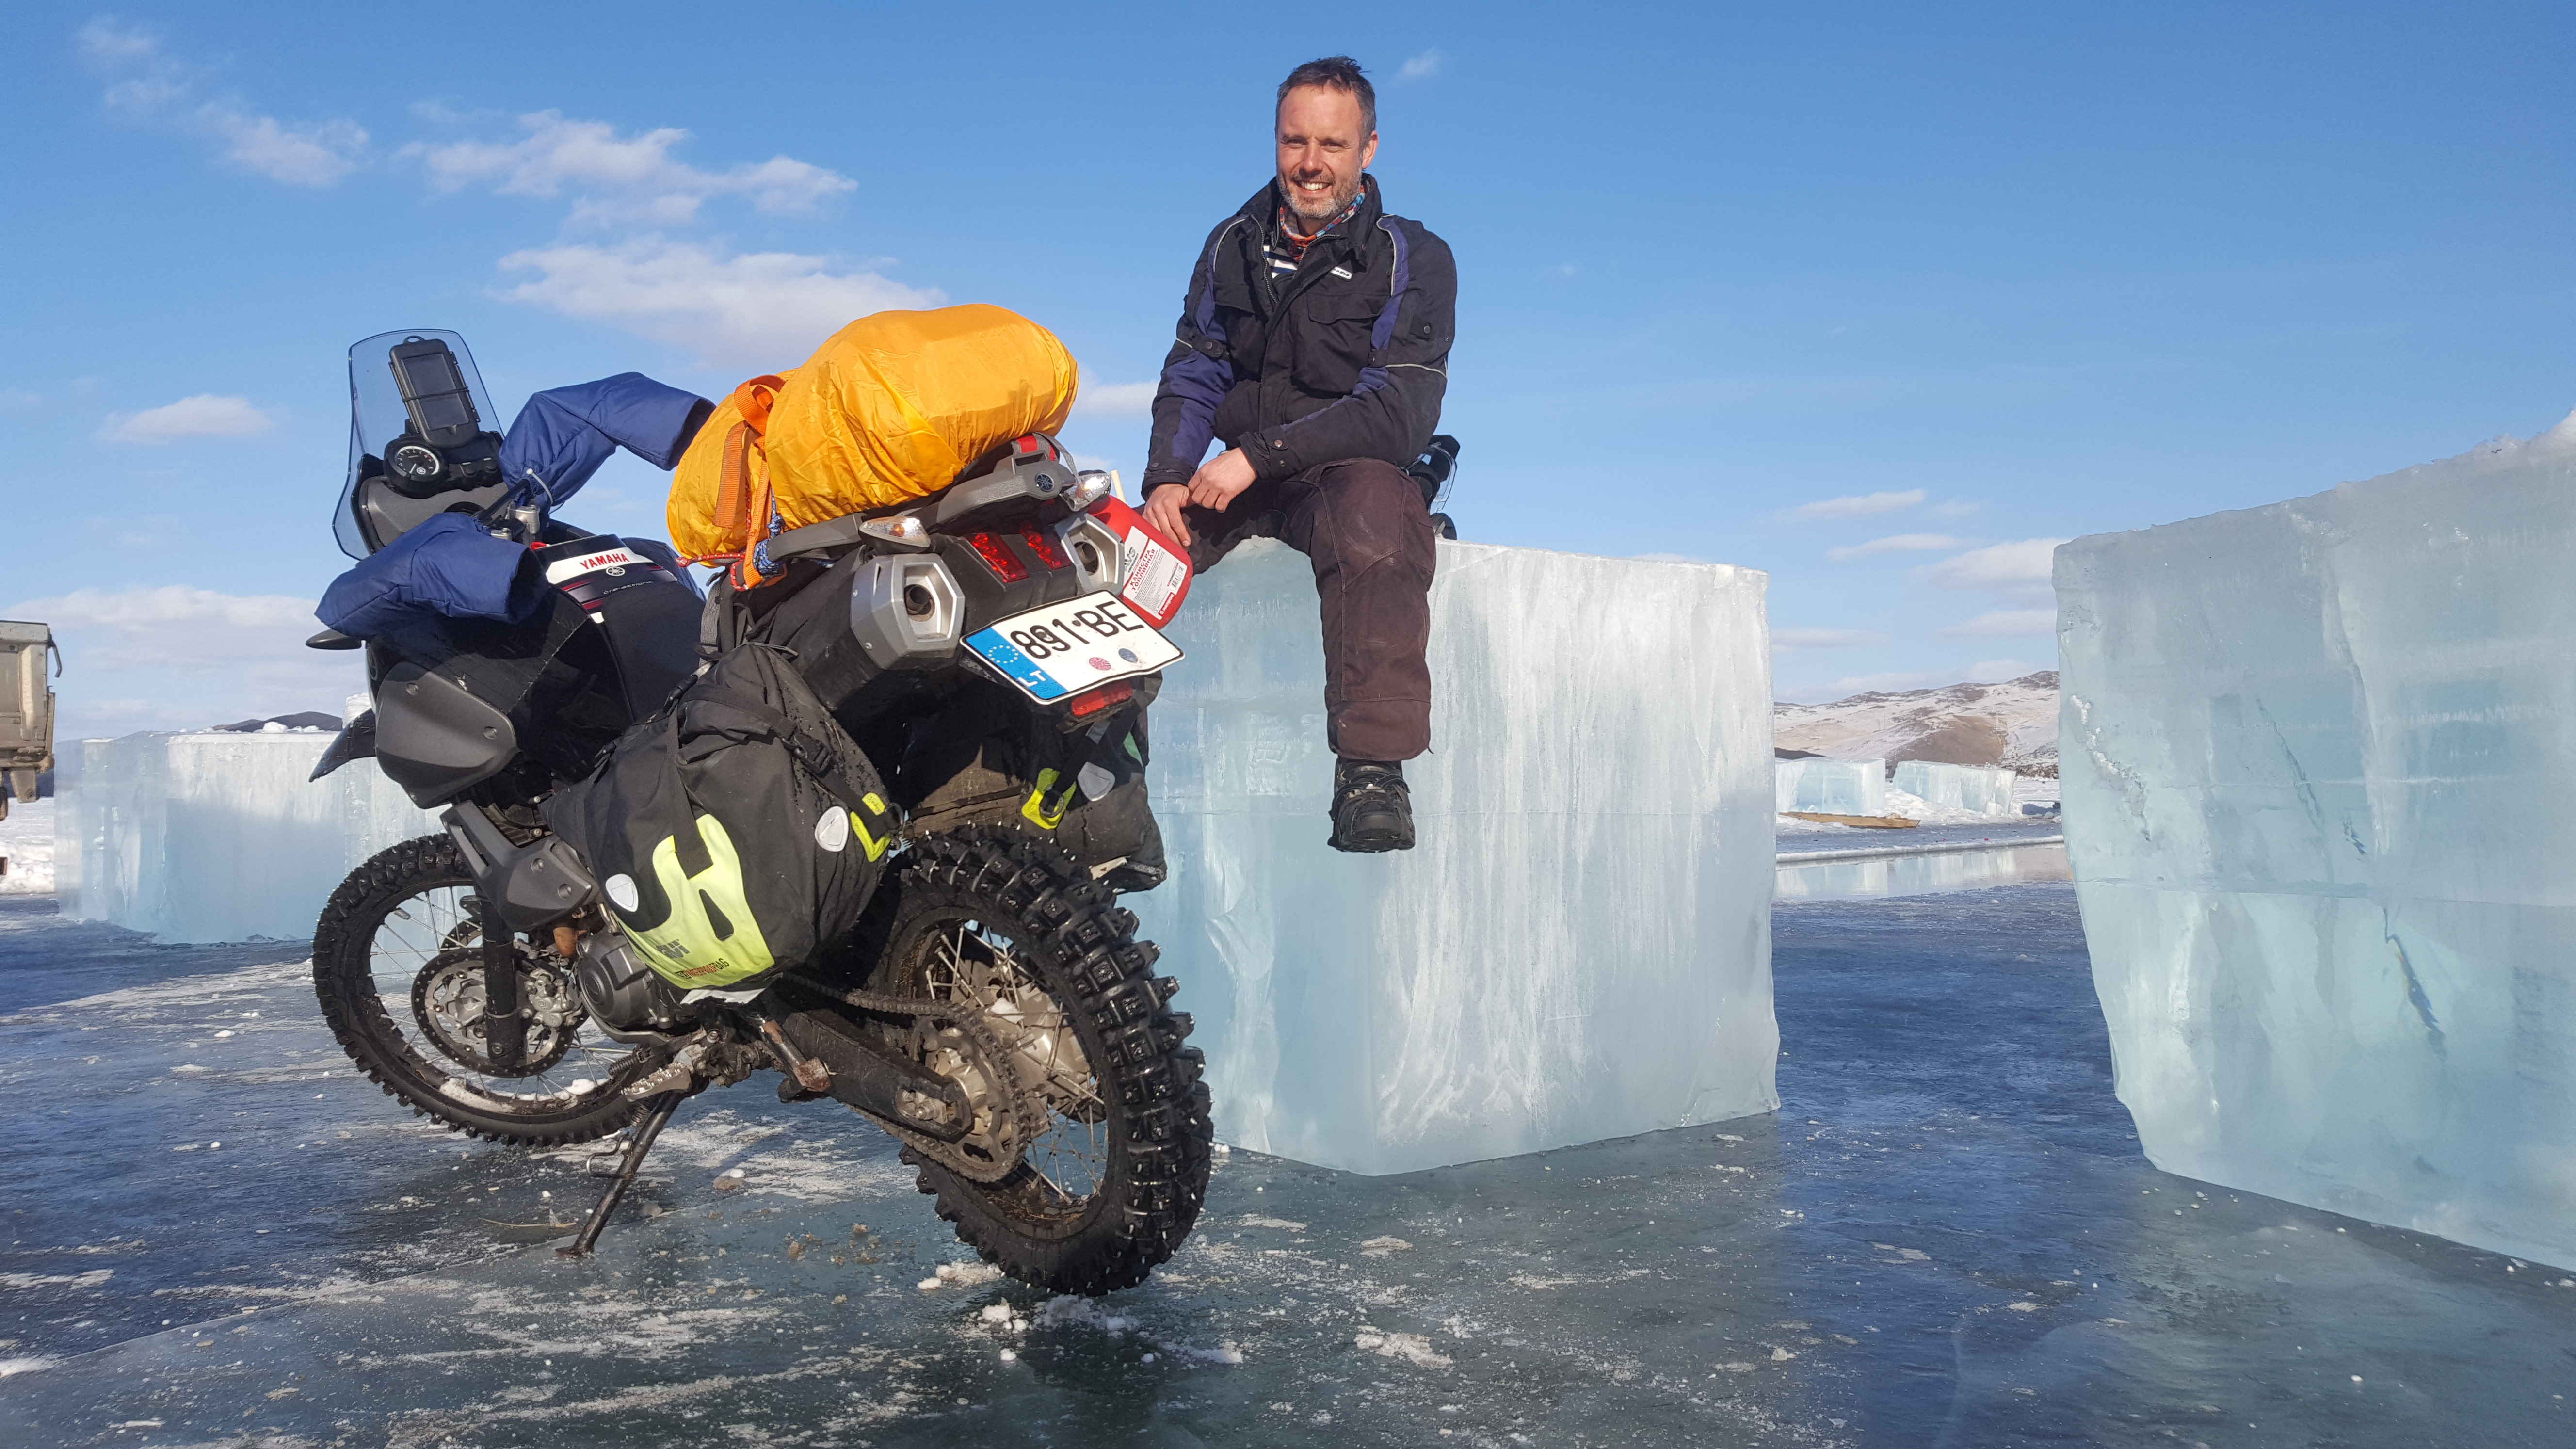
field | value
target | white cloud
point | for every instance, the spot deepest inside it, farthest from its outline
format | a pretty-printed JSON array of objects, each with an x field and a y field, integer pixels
[
  {"x": 1995, "y": 671},
  {"x": 176, "y": 657},
  {"x": 1115, "y": 400},
  {"x": 1425, "y": 64},
  {"x": 1788, "y": 639},
  {"x": 2005, "y": 624},
  {"x": 1851, "y": 684},
  {"x": 1859, "y": 505},
  {"x": 159, "y": 89},
  {"x": 621, "y": 178},
  {"x": 173, "y": 626},
  {"x": 2018, "y": 566},
  {"x": 1984, "y": 671},
  {"x": 759, "y": 308},
  {"x": 1899, "y": 543},
  {"x": 308, "y": 153},
  {"x": 202, "y": 416},
  {"x": 105, "y": 41}
]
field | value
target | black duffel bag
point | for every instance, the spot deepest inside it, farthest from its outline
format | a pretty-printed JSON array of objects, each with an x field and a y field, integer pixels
[{"x": 737, "y": 833}]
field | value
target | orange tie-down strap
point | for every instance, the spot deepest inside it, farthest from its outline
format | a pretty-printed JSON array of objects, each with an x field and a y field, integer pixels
[{"x": 743, "y": 495}]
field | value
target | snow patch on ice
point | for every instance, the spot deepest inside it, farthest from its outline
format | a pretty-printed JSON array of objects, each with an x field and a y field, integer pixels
[
  {"x": 774, "y": 1159},
  {"x": 1410, "y": 1348},
  {"x": 1533, "y": 1280},
  {"x": 90, "y": 1279},
  {"x": 1070, "y": 1312},
  {"x": 967, "y": 1274}
]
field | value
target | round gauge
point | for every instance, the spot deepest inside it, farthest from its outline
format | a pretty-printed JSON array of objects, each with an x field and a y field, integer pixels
[{"x": 417, "y": 462}]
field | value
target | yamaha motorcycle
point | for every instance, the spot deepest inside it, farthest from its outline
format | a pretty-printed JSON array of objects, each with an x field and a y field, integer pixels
[{"x": 990, "y": 648}]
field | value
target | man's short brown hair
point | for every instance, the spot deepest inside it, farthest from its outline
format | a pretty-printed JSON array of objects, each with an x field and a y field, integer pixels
[{"x": 1336, "y": 73}]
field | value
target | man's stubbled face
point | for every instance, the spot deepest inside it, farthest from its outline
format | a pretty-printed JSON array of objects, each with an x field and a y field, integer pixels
[{"x": 1322, "y": 152}]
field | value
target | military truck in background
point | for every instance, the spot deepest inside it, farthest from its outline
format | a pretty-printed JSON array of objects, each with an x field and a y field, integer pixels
[{"x": 26, "y": 708}]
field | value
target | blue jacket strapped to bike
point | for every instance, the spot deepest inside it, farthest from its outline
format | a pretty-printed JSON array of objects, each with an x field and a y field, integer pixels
[{"x": 451, "y": 566}]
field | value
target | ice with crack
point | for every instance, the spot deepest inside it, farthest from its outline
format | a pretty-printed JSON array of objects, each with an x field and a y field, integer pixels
[
  {"x": 219, "y": 836},
  {"x": 1579, "y": 946},
  {"x": 2314, "y": 763}
]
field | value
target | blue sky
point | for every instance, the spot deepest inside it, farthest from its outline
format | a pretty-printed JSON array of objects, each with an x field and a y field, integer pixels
[{"x": 1881, "y": 299}]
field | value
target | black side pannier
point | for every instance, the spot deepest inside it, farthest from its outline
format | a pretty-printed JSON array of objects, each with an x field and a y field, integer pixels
[{"x": 737, "y": 833}]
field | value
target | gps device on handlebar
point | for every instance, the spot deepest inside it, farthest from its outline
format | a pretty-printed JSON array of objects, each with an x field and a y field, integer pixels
[
  {"x": 434, "y": 393},
  {"x": 418, "y": 442}
]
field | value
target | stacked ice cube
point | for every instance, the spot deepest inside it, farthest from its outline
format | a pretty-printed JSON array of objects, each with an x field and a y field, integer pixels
[
  {"x": 219, "y": 836},
  {"x": 1831, "y": 787},
  {"x": 2315, "y": 767},
  {"x": 1980, "y": 789},
  {"x": 1579, "y": 947}
]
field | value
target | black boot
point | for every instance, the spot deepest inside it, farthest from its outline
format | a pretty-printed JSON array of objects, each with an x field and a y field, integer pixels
[{"x": 1372, "y": 808}]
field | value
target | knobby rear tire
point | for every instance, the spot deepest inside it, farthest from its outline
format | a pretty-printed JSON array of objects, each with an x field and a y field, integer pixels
[
  {"x": 1081, "y": 950},
  {"x": 344, "y": 979}
]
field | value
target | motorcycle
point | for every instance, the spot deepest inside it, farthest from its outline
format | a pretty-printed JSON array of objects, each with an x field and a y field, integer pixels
[{"x": 990, "y": 648}]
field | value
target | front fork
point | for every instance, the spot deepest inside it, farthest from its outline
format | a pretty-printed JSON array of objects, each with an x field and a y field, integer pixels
[{"x": 505, "y": 1020}]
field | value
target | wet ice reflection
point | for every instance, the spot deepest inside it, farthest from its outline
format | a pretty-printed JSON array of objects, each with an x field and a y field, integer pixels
[
  {"x": 1914, "y": 875},
  {"x": 1945, "y": 1237}
]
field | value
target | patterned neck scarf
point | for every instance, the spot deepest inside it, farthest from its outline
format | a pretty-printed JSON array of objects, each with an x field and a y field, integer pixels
[{"x": 1292, "y": 246}]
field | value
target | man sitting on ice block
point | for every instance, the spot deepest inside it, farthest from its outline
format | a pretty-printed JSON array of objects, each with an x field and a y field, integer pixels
[{"x": 1315, "y": 346}]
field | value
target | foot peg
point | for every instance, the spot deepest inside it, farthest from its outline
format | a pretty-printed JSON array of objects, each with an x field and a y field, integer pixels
[{"x": 679, "y": 1074}]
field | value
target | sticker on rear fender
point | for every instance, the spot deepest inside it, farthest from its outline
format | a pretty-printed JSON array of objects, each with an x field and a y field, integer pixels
[
  {"x": 1066, "y": 648},
  {"x": 1155, "y": 574}
]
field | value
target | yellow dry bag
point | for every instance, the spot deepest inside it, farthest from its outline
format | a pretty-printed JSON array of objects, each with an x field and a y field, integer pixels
[{"x": 890, "y": 408}]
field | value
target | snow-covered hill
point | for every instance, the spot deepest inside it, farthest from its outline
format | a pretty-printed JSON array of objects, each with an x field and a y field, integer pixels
[{"x": 2014, "y": 723}]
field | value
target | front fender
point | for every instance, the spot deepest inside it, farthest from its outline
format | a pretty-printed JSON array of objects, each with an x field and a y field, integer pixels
[{"x": 356, "y": 741}]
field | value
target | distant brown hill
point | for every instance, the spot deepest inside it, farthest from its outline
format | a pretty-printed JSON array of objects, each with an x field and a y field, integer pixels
[
  {"x": 2013, "y": 723},
  {"x": 311, "y": 719}
]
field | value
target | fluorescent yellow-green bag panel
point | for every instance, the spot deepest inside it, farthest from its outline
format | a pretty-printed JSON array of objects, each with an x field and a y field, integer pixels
[{"x": 711, "y": 939}]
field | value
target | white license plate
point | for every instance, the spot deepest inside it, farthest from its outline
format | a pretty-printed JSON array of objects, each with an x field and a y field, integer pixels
[{"x": 1064, "y": 649}]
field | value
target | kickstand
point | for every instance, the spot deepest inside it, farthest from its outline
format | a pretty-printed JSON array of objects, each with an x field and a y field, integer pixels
[{"x": 657, "y": 1117}]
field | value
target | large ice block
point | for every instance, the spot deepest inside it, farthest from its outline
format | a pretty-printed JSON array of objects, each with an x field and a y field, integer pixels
[
  {"x": 2314, "y": 760},
  {"x": 219, "y": 836},
  {"x": 1986, "y": 790},
  {"x": 1578, "y": 948},
  {"x": 1831, "y": 787}
]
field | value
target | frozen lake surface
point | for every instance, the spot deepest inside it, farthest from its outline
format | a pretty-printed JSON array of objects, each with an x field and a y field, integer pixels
[{"x": 1946, "y": 1237}]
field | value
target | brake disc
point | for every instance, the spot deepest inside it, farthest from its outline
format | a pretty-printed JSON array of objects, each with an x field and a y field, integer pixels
[{"x": 448, "y": 1002}]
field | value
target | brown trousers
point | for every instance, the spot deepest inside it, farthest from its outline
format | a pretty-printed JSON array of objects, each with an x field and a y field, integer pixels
[{"x": 1363, "y": 525}]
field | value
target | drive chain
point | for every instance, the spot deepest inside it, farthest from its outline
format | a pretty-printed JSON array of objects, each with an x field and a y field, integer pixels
[{"x": 1025, "y": 1108}]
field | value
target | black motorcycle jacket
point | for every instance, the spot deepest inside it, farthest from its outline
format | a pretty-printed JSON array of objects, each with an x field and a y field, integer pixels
[{"x": 1346, "y": 357}]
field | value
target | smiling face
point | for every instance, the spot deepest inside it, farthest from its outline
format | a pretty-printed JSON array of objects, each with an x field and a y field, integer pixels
[{"x": 1324, "y": 145}]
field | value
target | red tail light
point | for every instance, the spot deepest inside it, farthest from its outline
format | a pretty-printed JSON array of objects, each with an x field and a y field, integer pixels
[
  {"x": 997, "y": 557},
  {"x": 1044, "y": 547},
  {"x": 1107, "y": 696}
]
